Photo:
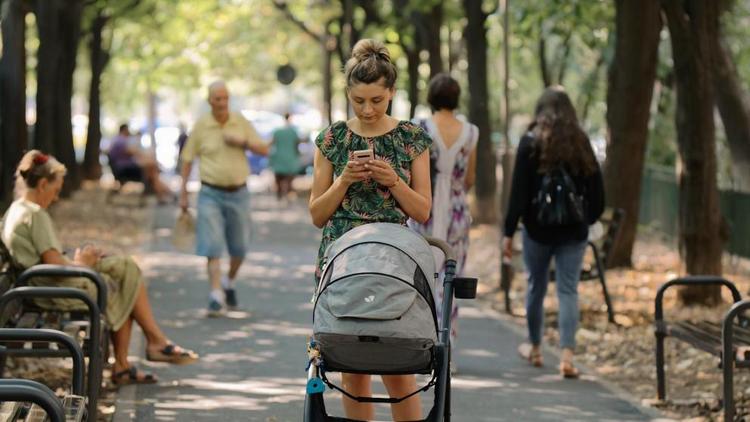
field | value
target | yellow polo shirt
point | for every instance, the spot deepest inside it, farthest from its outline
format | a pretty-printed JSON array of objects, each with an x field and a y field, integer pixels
[{"x": 220, "y": 164}]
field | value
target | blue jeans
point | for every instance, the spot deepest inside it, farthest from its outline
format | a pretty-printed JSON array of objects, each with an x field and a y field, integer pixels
[
  {"x": 223, "y": 221},
  {"x": 568, "y": 260}
]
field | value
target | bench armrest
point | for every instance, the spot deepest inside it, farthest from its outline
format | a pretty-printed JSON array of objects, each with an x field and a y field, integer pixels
[
  {"x": 698, "y": 280},
  {"x": 54, "y": 336},
  {"x": 62, "y": 292},
  {"x": 22, "y": 390},
  {"x": 49, "y": 270},
  {"x": 727, "y": 326}
]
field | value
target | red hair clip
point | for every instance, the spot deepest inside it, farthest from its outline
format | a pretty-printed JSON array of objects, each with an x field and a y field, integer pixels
[{"x": 41, "y": 159}]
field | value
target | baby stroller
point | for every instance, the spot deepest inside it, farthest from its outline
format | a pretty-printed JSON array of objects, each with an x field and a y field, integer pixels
[{"x": 375, "y": 313}]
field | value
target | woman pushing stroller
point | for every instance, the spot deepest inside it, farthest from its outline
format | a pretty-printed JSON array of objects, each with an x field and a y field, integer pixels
[{"x": 386, "y": 181}]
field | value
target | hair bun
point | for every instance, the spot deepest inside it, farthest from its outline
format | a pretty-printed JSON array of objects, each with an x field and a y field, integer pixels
[{"x": 369, "y": 48}]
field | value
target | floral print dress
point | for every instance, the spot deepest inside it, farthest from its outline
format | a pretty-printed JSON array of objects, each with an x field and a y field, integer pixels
[
  {"x": 450, "y": 219},
  {"x": 367, "y": 201}
]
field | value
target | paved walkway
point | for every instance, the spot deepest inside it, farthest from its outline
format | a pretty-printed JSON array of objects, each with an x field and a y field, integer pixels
[{"x": 252, "y": 366}]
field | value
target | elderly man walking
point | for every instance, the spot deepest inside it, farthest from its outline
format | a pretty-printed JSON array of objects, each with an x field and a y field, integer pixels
[{"x": 219, "y": 140}]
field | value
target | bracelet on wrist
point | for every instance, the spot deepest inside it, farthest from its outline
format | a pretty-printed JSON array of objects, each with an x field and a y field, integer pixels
[{"x": 398, "y": 179}]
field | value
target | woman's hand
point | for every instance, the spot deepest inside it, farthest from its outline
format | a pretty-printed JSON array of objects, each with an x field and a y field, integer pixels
[
  {"x": 382, "y": 172},
  {"x": 508, "y": 247},
  {"x": 88, "y": 255},
  {"x": 353, "y": 172}
]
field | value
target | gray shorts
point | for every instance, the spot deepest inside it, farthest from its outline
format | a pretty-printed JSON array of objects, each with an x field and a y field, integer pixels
[{"x": 223, "y": 219}]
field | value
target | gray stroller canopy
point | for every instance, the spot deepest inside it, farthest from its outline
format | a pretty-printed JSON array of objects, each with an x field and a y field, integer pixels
[
  {"x": 374, "y": 309},
  {"x": 397, "y": 236}
]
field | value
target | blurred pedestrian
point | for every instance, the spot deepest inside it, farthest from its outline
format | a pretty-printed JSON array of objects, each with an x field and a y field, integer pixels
[
  {"x": 391, "y": 186},
  {"x": 128, "y": 161},
  {"x": 453, "y": 158},
  {"x": 181, "y": 140},
  {"x": 219, "y": 140},
  {"x": 557, "y": 191},
  {"x": 284, "y": 157}
]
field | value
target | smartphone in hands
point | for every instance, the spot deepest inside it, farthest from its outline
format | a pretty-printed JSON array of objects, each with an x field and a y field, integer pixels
[{"x": 364, "y": 155}]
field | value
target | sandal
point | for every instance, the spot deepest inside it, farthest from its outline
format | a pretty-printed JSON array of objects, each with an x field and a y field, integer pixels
[
  {"x": 534, "y": 357},
  {"x": 568, "y": 371},
  {"x": 173, "y": 354},
  {"x": 130, "y": 376}
]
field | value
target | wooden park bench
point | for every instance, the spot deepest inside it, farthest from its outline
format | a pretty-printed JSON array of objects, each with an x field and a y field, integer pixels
[
  {"x": 87, "y": 328},
  {"x": 32, "y": 401},
  {"x": 596, "y": 270},
  {"x": 728, "y": 337}
]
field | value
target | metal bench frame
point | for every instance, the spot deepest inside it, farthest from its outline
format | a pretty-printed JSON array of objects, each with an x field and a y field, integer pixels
[
  {"x": 98, "y": 338},
  {"x": 722, "y": 345}
]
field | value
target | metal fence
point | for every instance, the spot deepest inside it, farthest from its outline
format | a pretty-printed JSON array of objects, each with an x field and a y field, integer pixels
[{"x": 660, "y": 207}]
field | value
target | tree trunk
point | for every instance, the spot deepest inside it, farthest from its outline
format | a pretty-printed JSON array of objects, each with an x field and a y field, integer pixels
[
  {"x": 13, "y": 130},
  {"x": 692, "y": 25},
  {"x": 508, "y": 156},
  {"x": 734, "y": 110},
  {"x": 91, "y": 169},
  {"x": 329, "y": 44},
  {"x": 50, "y": 48},
  {"x": 631, "y": 82},
  {"x": 476, "y": 51},
  {"x": 70, "y": 16},
  {"x": 564, "y": 59},
  {"x": 412, "y": 60},
  {"x": 434, "y": 24},
  {"x": 543, "y": 67},
  {"x": 590, "y": 89}
]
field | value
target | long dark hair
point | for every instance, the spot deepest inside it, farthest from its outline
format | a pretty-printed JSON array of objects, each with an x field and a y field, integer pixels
[{"x": 558, "y": 137}]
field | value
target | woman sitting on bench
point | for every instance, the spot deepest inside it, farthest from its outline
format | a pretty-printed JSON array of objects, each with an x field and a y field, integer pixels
[{"x": 30, "y": 236}]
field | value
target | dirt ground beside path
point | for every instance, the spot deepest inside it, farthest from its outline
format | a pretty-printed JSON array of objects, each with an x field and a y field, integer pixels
[
  {"x": 624, "y": 355},
  {"x": 119, "y": 228}
]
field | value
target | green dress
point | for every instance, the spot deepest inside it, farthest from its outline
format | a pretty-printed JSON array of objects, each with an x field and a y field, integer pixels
[
  {"x": 367, "y": 201},
  {"x": 284, "y": 158},
  {"x": 28, "y": 232}
]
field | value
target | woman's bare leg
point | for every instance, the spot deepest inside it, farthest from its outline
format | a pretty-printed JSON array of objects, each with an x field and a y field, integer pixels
[
  {"x": 400, "y": 386},
  {"x": 144, "y": 316},
  {"x": 120, "y": 344},
  {"x": 357, "y": 385}
]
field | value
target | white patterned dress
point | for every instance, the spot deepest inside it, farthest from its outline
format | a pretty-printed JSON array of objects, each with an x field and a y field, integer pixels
[{"x": 450, "y": 219}]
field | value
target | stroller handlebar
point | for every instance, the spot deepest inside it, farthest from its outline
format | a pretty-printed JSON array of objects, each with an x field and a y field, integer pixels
[{"x": 443, "y": 246}]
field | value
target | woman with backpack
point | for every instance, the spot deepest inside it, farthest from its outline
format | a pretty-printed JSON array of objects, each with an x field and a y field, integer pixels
[
  {"x": 557, "y": 192},
  {"x": 453, "y": 159}
]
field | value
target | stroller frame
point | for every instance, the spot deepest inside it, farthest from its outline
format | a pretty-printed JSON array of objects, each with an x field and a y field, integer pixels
[{"x": 314, "y": 407}]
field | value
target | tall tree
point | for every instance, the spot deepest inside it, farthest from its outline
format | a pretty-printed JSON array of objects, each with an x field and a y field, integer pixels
[
  {"x": 13, "y": 130},
  {"x": 47, "y": 13},
  {"x": 434, "y": 24},
  {"x": 734, "y": 107},
  {"x": 329, "y": 44},
  {"x": 631, "y": 81},
  {"x": 59, "y": 24},
  {"x": 98, "y": 59},
  {"x": 692, "y": 26},
  {"x": 475, "y": 34}
]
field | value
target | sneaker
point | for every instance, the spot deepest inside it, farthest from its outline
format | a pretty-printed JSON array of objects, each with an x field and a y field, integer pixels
[
  {"x": 215, "y": 308},
  {"x": 230, "y": 296}
]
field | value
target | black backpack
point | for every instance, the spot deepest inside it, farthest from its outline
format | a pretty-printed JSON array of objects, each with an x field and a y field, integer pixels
[{"x": 557, "y": 202}]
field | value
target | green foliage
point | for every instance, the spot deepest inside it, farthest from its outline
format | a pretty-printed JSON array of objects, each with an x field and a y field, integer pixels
[{"x": 582, "y": 26}]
